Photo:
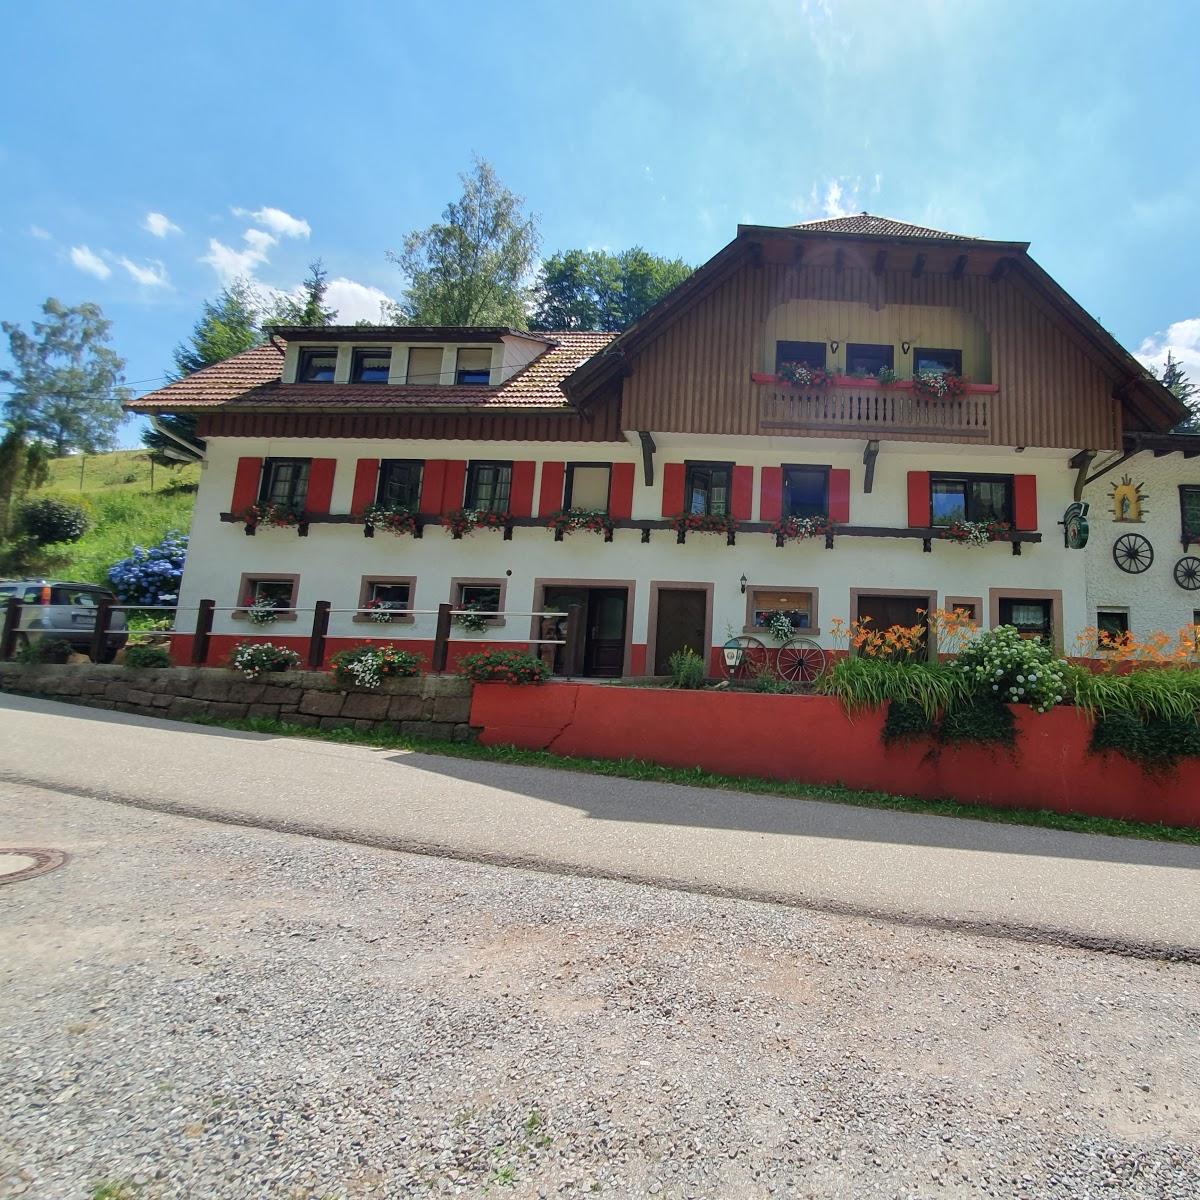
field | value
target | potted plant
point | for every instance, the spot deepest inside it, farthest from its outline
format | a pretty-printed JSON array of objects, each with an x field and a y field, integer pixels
[
  {"x": 802, "y": 375},
  {"x": 255, "y": 658},
  {"x": 939, "y": 385},
  {"x": 277, "y": 516},
  {"x": 464, "y": 521},
  {"x": 587, "y": 520},
  {"x": 261, "y": 610},
  {"x": 796, "y": 529},
  {"x": 394, "y": 518},
  {"x": 976, "y": 533},
  {"x": 472, "y": 618}
]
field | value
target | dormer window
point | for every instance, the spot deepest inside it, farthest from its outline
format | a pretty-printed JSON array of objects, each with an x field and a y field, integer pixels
[
  {"x": 474, "y": 366},
  {"x": 316, "y": 366},
  {"x": 370, "y": 366},
  {"x": 424, "y": 366},
  {"x": 940, "y": 362},
  {"x": 811, "y": 354}
]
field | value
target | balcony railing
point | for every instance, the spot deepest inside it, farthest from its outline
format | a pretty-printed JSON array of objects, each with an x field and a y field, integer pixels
[{"x": 867, "y": 407}]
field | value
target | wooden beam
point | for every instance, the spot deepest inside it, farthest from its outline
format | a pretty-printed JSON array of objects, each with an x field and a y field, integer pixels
[
  {"x": 648, "y": 448},
  {"x": 1081, "y": 463},
  {"x": 798, "y": 255},
  {"x": 880, "y": 261},
  {"x": 918, "y": 266},
  {"x": 839, "y": 260},
  {"x": 960, "y": 267},
  {"x": 870, "y": 454}
]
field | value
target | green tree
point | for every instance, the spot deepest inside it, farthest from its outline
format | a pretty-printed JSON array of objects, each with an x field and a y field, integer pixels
[
  {"x": 66, "y": 379},
  {"x": 227, "y": 326},
  {"x": 593, "y": 289},
  {"x": 1175, "y": 379},
  {"x": 24, "y": 467},
  {"x": 308, "y": 308},
  {"x": 473, "y": 267}
]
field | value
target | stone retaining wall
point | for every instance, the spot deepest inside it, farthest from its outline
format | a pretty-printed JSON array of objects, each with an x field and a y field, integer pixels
[{"x": 430, "y": 706}]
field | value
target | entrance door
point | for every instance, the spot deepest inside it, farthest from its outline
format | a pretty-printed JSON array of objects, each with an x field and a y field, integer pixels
[
  {"x": 682, "y": 621},
  {"x": 603, "y": 612},
  {"x": 886, "y": 611}
]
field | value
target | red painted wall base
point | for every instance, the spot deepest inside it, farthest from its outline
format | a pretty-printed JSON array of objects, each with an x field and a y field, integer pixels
[{"x": 810, "y": 739}]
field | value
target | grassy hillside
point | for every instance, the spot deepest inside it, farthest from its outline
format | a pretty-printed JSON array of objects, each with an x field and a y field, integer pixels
[{"x": 115, "y": 490}]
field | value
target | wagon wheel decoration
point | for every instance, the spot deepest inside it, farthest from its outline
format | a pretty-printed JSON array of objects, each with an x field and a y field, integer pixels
[
  {"x": 800, "y": 660},
  {"x": 1187, "y": 573},
  {"x": 1133, "y": 553},
  {"x": 743, "y": 657}
]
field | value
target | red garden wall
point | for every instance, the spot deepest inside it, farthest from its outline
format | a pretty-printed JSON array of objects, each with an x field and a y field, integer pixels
[{"x": 812, "y": 740}]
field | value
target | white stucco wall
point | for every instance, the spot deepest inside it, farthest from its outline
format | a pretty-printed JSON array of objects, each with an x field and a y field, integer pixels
[
  {"x": 1153, "y": 599},
  {"x": 333, "y": 558}
]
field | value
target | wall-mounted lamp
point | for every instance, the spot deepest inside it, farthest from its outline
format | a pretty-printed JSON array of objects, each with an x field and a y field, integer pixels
[
  {"x": 1018, "y": 449},
  {"x": 906, "y": 346},
  {"x": 743, "y": 583},
  {"x": 833, "y": 346}
]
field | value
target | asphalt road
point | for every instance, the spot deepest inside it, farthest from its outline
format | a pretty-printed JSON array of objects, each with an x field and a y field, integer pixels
[{"x": 1082, "y": 889}]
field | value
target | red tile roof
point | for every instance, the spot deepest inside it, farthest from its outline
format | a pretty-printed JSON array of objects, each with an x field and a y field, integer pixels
[
  {"x": 868, "y": 223},
  {"x": 251, "y": 380}
]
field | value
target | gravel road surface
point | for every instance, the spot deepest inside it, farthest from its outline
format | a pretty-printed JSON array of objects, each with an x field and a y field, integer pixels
[{"x": 219, "y": 1013}]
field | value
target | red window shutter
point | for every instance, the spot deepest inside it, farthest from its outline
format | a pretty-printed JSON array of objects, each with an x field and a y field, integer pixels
[
  {"x": 1025, "y": 515},
  {"x": 918, "y": 498},
  {"x": 620, "y": 491},
  {"x": 366, "y": 484},
  {"x": 770, "y": 494},
  {"x": 433, "y": 483},
  {"x": 245, "y": 484},
  {"x": 741, "y": 499},
  {"x": 672, "y": 493},
  {"x": 550, "y": 494},
  {"x": 839, "y": 496},
  {"x": 520, "y": 497},
  {"x": 320, "y": 485},
  {"x": 455, "y": 485}
]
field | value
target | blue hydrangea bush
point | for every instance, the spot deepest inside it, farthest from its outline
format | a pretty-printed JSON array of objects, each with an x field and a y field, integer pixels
[{"x": 150, "y": 576}]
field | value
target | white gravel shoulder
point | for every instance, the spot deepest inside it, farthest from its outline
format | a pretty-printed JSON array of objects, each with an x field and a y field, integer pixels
[{"x": 214, "y": 1013}]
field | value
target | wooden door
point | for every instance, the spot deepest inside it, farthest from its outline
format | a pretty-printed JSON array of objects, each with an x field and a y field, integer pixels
[
  {"x": 886, "y": 611},
  {"x": 604, "y": 643},
  {"x": 682, "y": 621},
  {"x": 560, "y": 599}
]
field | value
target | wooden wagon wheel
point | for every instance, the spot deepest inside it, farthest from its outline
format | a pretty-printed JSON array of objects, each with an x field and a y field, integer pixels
[
  {"x": 799, "y": 660},
  {"x": 1187, "y": 573},
  {"x": 743, "y": 657},
  {"x": 1133, "y": 553}
]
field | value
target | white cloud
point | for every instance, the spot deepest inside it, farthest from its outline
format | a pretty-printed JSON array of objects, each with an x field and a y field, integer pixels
[
  {"x": 277, "y": 221},
  {"x": 152, "y": 275},
  {"x": 231, "y": 264},
  {"x": 159, "y": 225},
  {"x": 1181, "y": 340},
  {"x": 36, "y": 231},
  {"x": 91, "y": 263},
  {"x": 355, "y": 301},
  {"x": 837, "y": 197},
  {"x": 259, "y": 240}
]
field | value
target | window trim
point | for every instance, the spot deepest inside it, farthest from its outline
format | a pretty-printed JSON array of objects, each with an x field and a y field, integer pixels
[
  {"x": 501, "y": 581},
  {"x": 255, "y": 577},
  {"x": 357, "y": 353},
  {"x": 386, "y": 462},
  {"x": 812, "y": 629},
  {"x": 785, "y": 468},
  {"x": 458, "y": 371},
  {"x": 403, "y": 617},
  {"x": 1055, "y": 596},
  {"x": 1112, "y": 610},
  {"x": 707, "y": 464},
  {"x": 888, "y": 346},
  {"x": 1185, "y": 490},
  {"x": 307, "y": 352},
  {"x": 951, "y": 602},
  {"x": 569, "y": 482},
  {"x": 943, "y": 351},
  {"x": 264, "y": 478},
  {"x": 408, "y": 379},
  {"x": 473, "y": 466},
  {"x": 973, "y": 476},
  {"x": 822, "y": 365}
]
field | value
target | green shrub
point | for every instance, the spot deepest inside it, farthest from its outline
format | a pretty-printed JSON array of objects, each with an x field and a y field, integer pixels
[
  {"x": 1169, "y": 693},
  {"x": 142, "y": 658},
  {"x": 503, "y": 666},
  {"x": 52, "y": 520},
  {"x": 905, "y": 722},
  {"x": 864, "y": 682},
  {"x": 687, "y": 668},
  {"x": 1018, "y": 670},
  {"x": 367, "y": 666},
  {"x": 255, "y": 658},
  {"x": 44, "y": 650},
  {"x": 1155, "y": 743},
  {"x": 983, "y": 720}
]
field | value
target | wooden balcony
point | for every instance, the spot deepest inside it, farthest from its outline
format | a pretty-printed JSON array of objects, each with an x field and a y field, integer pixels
[{"x": 864, "y": 407}]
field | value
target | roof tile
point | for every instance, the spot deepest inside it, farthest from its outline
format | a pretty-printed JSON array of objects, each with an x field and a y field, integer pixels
[{"x": 868, "y": 223}]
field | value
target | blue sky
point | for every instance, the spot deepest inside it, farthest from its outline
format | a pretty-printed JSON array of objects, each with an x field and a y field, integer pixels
[{"x": 265, "y": 134}]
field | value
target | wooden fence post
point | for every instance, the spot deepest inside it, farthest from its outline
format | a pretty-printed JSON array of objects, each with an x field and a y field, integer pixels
[
  {"x": 574, "y": 636},
  {"x": 12, "y": 622},
  {"x": 441, "y": 638},
  {"x": 204, "y": 623},
  {"x": 100, "y": 632},
  {"x": 316, "y": 641}
]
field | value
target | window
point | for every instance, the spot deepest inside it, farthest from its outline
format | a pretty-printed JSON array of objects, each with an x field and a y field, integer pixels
[
  {"x": 485, "y": 595},
  {"x": 285, "y": 482},
  {"x": 387, "y": 592},
  {"x": 944, "y": 362},
  {"x": 474, "y": 365},
  {"x": 400, "y": 483},
  {"x": 1114, "y": 625},
  {"x": 706, "y": 488},
  {"x": 866, "y": 359},
  {"x": 277, "y": 590},
  {"x": 800, "y": 607},
  {"x": 587, "y": 486},
  {"x": 970, "y": 498},
  {"x": 811, "y": 354},
  {"x": 1032, "y": 618},
  {"x": 489, "y": 486},
  {"x": 316, "y": 366},
  {"x": 969, "y": 606},
  {"x": 1189, "y": 512},
  {"x": 370, "y": 366},
  {"x": 805, "y": 491},
  {"x": 425, "y": 366}
]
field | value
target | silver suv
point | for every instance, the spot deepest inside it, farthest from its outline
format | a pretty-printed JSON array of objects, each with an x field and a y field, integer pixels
[{"x": 63, "y": 611}]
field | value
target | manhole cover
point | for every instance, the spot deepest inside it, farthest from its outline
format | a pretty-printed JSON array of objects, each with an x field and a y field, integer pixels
[{"x": 23, "y": 862}]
